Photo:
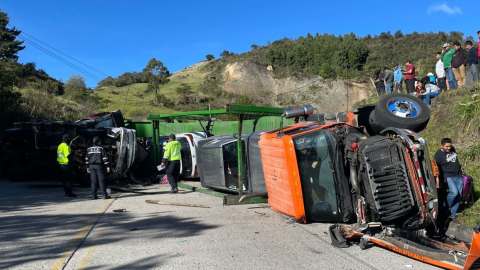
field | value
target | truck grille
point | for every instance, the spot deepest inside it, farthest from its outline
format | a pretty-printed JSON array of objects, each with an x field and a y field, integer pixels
[{"x": 387, "y": 178}]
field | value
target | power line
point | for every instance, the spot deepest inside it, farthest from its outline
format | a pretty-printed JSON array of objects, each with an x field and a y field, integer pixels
[
  {"x": 23, "y": 32},
  {"x": 60, "y": 59},
  {"x": 65, "y": 54}
]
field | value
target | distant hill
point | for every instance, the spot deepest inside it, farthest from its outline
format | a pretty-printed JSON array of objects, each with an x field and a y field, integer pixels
[{"x": 287, "y": 72}]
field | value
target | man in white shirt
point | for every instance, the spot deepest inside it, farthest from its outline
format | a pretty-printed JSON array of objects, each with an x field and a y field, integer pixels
[{"x": 440, "y": 73}]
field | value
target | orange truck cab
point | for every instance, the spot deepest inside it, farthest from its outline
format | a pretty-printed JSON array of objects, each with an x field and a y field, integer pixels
[
  {"x": 334, "y": 172},
  {"x": 378, "y": 180}
]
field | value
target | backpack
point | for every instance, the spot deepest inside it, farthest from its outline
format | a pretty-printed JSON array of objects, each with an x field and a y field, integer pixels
[{"x": 467, "y": 187}]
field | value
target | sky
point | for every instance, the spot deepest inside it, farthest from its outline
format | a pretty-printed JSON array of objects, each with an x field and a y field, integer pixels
[{"x": 110, "y": 37}]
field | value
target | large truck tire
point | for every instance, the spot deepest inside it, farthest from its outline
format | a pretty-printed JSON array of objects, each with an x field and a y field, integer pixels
[{"x": 402, "y": 111}]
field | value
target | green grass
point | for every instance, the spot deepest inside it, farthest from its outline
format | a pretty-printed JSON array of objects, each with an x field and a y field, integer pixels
[
  {"x": 461, "y": 123},
  {"x": 456, "y": 115},
  {"x": 138, "y": 103}
]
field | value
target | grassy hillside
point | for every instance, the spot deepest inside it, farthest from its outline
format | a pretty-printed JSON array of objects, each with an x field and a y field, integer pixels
[
  {"x": 456, "y": 114},
  {"x": 139, "y": 103}
]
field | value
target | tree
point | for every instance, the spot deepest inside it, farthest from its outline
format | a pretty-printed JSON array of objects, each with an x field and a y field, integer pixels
[
  {"x": 156, "y": 74},
  {"x": 398, "y": 34},
  {"x": 9, "y": 46},
  {"x": 209, "y": 57},
  {"x": 225, "y": 54},
  {"x": 184, "y": 90},
  {"x": 75, "y": 88}
]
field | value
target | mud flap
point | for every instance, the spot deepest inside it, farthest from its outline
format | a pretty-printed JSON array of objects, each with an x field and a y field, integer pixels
[{"x": 337, "y": 239}]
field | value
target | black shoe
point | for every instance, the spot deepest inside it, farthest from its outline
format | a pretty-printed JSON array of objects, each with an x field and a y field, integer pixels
[
  {"x": 174, "y": 190},
  {"x": 94, "y": 197},
  {"x": 71, "y": 195},
  {"x": 107, "y": 197}
]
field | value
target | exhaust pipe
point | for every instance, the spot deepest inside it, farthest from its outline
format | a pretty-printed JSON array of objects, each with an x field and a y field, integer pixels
[{"x": 354, "y": 179}]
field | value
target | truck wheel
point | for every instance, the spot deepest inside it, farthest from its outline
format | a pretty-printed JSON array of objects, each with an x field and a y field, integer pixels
[{"x": 402, "y": 111}]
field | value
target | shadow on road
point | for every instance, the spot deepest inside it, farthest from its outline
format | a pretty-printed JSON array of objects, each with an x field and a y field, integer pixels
[{"x": 33, "y": 229}]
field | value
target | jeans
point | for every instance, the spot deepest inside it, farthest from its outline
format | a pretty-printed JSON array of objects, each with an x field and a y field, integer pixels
[
  {"x": 472, "y": 75},
  {"x": 398, "y": 87},
  {"x": 431, "y": 95},
  {"x": 455, "y": 187},
  {"x": 389, "y": 88},
  {"x": 451, "y": 78}
]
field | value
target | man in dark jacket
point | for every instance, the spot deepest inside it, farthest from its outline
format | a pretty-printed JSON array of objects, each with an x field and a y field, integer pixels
[
  {"x": 472, "y": 72},
  {"x": 97, "y": 167},
  {"x": 459, "y": 62}
]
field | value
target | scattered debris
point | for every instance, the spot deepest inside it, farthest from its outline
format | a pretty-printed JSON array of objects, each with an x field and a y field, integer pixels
[
  {"x": 120, "y": 210},
  {"x": 176, "y": 204},
  {"x": 181, "y": 241},
  {"x": 134, "y": 229}
]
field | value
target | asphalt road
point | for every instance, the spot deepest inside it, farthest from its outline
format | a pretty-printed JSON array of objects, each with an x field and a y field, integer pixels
[{"x": 40, "y": 229}]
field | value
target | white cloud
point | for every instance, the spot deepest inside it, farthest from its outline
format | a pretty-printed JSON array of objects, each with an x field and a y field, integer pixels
[{"x": 444, "y": 8}]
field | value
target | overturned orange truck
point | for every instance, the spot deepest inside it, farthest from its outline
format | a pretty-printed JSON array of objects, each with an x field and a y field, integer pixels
[{"x": 369, "y": 171}]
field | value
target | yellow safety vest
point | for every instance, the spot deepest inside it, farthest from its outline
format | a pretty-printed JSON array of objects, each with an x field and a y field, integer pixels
[
  {"x": 173, "y": 151},
  {"x": 62, "y": 153}
]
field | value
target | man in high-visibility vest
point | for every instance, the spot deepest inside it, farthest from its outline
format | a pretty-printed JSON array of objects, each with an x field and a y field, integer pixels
[
  {"x": 173, "y": 156},
  {"x": 63, "y": 152}
]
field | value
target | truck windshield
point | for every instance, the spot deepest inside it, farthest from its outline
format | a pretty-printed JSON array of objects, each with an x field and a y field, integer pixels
[{"x": 316, "y": 175}]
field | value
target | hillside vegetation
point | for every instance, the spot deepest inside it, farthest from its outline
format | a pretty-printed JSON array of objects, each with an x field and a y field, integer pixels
[{"x": 456, "y": 115}]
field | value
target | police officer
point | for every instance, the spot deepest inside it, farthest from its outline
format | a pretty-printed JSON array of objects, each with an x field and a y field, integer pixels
[
  {"x": 97, "y": 162},
  {"x": 173, "y": 155},
  {"x": 63, "y": 151}
]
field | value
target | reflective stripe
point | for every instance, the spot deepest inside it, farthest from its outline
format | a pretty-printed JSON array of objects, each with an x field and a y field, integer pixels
[{"x": 60, "y": 155}]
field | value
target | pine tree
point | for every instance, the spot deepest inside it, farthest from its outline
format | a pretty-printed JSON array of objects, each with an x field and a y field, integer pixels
[{"x": 9, "y": 46}]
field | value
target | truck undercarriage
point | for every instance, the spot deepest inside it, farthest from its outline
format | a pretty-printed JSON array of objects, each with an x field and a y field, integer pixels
[{"x": 376, "y": 180}]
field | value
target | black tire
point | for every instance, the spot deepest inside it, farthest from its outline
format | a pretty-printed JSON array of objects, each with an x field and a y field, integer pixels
[{"x": 386, "y": 118}]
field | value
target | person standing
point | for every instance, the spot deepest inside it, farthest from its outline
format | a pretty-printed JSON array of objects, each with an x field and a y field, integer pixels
[
  {"x": 459, "y": 61},
  {"x": 410, "y": 77},
  {"x": 173, "y": 156},
  {"x": 388, "y": 79},
  {"x": 446, "y": 58},
  {"x": 397, "y": 78},
  {"x": 452, "y": 171},
  {"x": 440, "y": 71},
  {"x": 63, "y": 151},
  {"x": 472, "y": 72},
  {"x": 97, "y": 167}
]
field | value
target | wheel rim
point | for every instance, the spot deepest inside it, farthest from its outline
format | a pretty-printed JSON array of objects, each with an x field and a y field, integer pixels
[{"x": 403, "y": 108}]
